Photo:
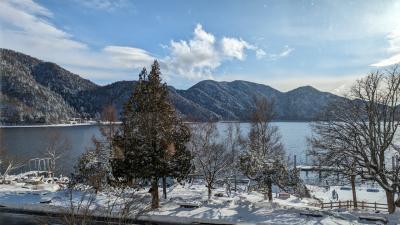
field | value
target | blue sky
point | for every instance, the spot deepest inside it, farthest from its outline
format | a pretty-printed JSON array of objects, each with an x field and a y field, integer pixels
[{"x": 284, "y": 44}]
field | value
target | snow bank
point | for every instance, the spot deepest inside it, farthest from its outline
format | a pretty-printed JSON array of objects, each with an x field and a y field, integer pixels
[
  {"x": 363, "y": 193},
  {"x": 242, "y": 208}
]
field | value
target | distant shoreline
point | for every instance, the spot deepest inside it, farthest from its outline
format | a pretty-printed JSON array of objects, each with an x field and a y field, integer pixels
[
  {"x": 119, "y": 122},
  {"x": 56, "y": 125}
]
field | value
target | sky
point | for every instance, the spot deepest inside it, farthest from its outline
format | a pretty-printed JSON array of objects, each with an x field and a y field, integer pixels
[{"x": 284, "y": 44}]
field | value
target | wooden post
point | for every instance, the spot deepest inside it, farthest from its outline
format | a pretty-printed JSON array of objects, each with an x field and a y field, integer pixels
[
  {"x": 339, "y": 204},
  {"x": 375, "y": 206},
  {"x": 362, "y": 205},
  {"x": 331, "y": 204}
]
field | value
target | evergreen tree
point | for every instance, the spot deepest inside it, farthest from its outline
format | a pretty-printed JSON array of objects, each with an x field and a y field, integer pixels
[{"x": 152, "y": 141}]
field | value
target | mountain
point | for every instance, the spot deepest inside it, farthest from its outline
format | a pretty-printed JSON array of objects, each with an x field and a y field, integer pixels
[
  {"x": 34, "y": 91},
  {"x": 233, "y": 100},
  {"x": 23, "y": 98}
]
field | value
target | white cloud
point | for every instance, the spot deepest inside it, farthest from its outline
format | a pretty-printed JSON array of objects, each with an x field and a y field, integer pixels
[
  {"x": 32, "y": 7},
  {"x": 198, "y": 57},
  {"x": 275, "y": 56},
  {"x": 260, "y": 53},
  {"x": 106, "y": 5},
  {"x": 388, "y": 62},
  {"x": 25, "y": 17},
  {"x": 235, "y": 48},
  {"x": 195, "y": 58},
  {"x": 393, "y": 49},
  {"x": 129, "y": 57},
  {"x": 26, "y": 28}
]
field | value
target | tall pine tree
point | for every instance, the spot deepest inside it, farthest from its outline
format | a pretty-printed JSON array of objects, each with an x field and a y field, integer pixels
[{"x": 152, "y": 141}]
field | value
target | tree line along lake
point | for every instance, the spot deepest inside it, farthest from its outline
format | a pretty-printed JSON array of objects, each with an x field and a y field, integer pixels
[{"x": 31, "y": 142}]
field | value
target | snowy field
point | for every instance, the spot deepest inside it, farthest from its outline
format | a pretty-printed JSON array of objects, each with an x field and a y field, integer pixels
[
  {"x": 242, "y": 207},
  {"x": 365, "y": 193}
]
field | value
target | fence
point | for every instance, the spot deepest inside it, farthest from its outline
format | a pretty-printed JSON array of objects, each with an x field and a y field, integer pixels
[{"x": 349, "y": 204}]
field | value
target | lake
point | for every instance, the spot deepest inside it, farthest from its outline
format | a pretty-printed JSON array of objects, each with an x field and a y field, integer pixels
[{"x": 30, "y": 142}]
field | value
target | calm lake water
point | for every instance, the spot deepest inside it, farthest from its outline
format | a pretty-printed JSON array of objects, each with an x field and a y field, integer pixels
[{"x": 30, "y": 142}]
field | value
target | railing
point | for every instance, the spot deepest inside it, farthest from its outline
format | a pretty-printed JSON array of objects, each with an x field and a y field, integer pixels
[{"x": 349, "y": 204}]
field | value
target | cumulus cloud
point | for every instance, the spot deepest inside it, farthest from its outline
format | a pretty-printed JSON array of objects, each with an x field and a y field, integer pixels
[
  {"x": 393, "y": 49},
  {"x": 195, "y": 58},
  {"x": 200, "y": 56},
  {"x": 235, "y": 48}
]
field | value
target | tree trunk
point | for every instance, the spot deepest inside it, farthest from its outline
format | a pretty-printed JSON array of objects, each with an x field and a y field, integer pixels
[
  {"x": 235, "y": 182},
  {"x": 209, "y": 191},
  {"x": 397, "y": 202},
  {"x": 269, "y": 191},
  {"x": 164, "y": 186},
  {"x": 155, "y": 201},
  {"x": 353, "y": 189},
  {"x": 390, "y": 201}
]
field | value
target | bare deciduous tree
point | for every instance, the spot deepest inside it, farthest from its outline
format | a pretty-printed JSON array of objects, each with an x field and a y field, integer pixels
[
  {"x": 109, "y": 117},
  {"x": 363, "y": 127},
  {"x": 234, "y": 143},
  {"x": 57, "y": 147},
  {"x": 329, "y": 152},
  {"x": 210, "y": 156},
  {"x": 9, "y": 162},
  {"x": 263, "y": 159}
]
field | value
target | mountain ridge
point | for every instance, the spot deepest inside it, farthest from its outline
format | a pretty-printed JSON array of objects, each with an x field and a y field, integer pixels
[{"x": 35, "y": 91}]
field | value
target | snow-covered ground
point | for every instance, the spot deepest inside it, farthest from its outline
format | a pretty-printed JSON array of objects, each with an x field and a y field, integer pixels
[
  {"x": 243, "y": 207},
  {"x": 364, "y": 193}
]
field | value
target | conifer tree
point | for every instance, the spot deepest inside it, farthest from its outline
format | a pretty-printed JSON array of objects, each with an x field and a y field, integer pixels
[{"x": 152, "y": 141}]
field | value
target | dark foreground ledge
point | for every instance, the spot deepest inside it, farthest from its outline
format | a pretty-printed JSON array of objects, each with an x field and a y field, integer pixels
[{"x": 59, "y": 213}]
